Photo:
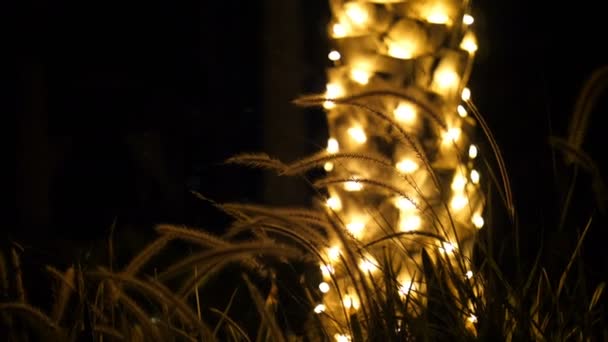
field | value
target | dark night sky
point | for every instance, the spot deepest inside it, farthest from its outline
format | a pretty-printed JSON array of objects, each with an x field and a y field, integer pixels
[{"x": 124, "y": 107}]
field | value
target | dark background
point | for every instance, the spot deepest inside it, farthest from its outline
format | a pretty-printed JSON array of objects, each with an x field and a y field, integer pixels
[{"x": 124, "y": 108}]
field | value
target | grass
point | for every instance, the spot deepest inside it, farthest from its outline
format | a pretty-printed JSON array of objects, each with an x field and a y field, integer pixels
[{"x": 162, "y": 296}]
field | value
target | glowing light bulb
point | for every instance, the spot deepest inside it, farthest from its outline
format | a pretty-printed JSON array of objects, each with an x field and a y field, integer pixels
[
  {"x": 478, "y": 221},
  {"x": 468, "y": 19},
  {"x": 407, "y": 165},
  {"x": 360, "y": 76},
  {"x": 451, "y": 135},
  {"x": 328, "y": 166},
  {"x": 462, "y": 111},
  {"x": 472, "y": 318},
  {"x": 473, "y": 151},
  {"x": 404, "y": 203},
  {"x": 410, "y": 223},
  {"x": 437, "y": 15},
  {"x": 319, "y": 308},
  {"x": 469, "y": 43},
  {"x": 333, "y": 253},
  {"x": 469, "y": 274},
  {"x": 401, "y": 50},
  {"x": 342, "y": 337},
  {"x": 459, "y": 182},
  {"x": 350, "y": 301},
  {"x": 357, "y": 134},
  {"x": 406, "y": 287},
  {"x": 327, "y": 270},
  {"x": 334, "y": 203},
  {"x": 405, "y": 112},
  {"x": 446, "y": 79},
  {"x": 324, "y": 287},
  {"x": 353, "y": 185},
  {"x": 334, "y": 55},
  {"x": 458, "y": 202},
  {"x": 332, "y": 145},
  {"x": 356, "y": 228},
  {"x": 356, "y": 13},
  {"x": 339, "y": 30},
  {"x": 447, "y": 247},
  {"x": 475, "y": 176},
  {"x": 334, "y": 90},
  {"x": 466, "y": 94},
  {"x": 367, "y": 265}
]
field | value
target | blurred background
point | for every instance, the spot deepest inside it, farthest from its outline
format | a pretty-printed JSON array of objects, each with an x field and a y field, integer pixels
[{"x": 124, "y": 108}]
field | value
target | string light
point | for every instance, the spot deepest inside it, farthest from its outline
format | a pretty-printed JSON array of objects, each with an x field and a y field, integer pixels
[
  {"x": 472, "y": 318},
  {"x": 401, "y": 50},
  {"x": 404, "y": 203},
  {"x": 333, "y": 91},
  {"x": 319, "y": 308},
  {"x": 327, "y": 270},
  {"x": 334, "y": 203},
  {"x": 468, "y": 19},
  {"x": 329, "y": 166},
  {"x": 462, "y": 111},
  {"x": 356, "y": 228},
  {"x": 475, "y": 177},
  {"x": 407, "y": 165},
  {"x": 451, "y": 135},
  {"x": 437, "y": 15},
  {"x": 478, "y": 221},
  {"x": 360, "y": 76},
  {"x": 473, "y": 151},
  {"x": 469, "y": 42},
  {"x": 405, "y": 112},
  {"x": 356, "y": 13},
  {"x": 410, "y": 223},
  {"x": 469, "y": 274},
  {"x": 342, "y": 338},
  {"x": 446, "y": 79},
  {"x": 406, "y": 287},
  {"x": 466, "y": 94},
  {"x": 458, "y": 202},
  {"x": 353, "y": 185},
  {"x": 459, "y": 182},
  {"x": 333, "y": 253},
  {"x": 368, "y": 264},
  {"x": 357, "y": 134},
  {"x": 447, "y": 247},
  {"x": 339, "y": 30},
  {"x": 334, "y": 55},
  {"x": 324, "y": 287}
]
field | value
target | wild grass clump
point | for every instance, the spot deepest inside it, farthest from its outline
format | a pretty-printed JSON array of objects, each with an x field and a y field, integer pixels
[{"x": 493, "y": 295}]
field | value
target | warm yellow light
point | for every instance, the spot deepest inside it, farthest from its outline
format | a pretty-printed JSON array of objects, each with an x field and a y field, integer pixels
[
  {"x": 339, "y": 30},
  {"x": 334, "y": 203},
  {"x": 406, "y": 287},
  {"x": 469, "y": 43},
  {"x": 473, "y": 151},
  {"x": 332, "y": 145},
  {"x": 319, "y": 308},
  {"x": 437, "y": 15},
  {"x": 334, "y": 90},
  {"x": 458, "y": 202},
  {"x": 472, "y": 318},
  {"x": 353, "y": 185},
  {"x": 451, "y": 135},
  {"x": 404, "y": 203},
  {"x": 367, "y": 265},
  {"x": 478, "y": 221},
  {"x": 475, "y": 176},
  {"x": 333, "y": 253},
  {"x": 462, "y": 111},
  {"x": 446, "y": 79},
  {"x": 468, "y": 19},
  {"x": 410, "y": 223},
  {"x": 324, "y": 287},
  {"x": 334, "y": 55},
  {"x": 405, "y": 112},
  {"x": 466, "y": 94},
  {"x": 356, "y": 228},
  {"x": 350, "y": 301},
  {"x": 401, "y": 50},
  {"x": 459, "y": 182},
  {"x": 357, "y": 134},
  {"x": 342, "y": 337},
  {"x": 360, "y": 76},
  {"x": 356, "y": 13},
  {"x": 469, "y": 274},
  {"x": 327, "y": 270},
  {"x": 447, "y": 247},
  {"x": 328, "y": 166},
  {"x": 407, "y": 165}
]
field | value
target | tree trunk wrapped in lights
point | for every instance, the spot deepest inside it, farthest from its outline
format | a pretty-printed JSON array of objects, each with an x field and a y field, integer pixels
[{"x": 400, "y": 165}]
